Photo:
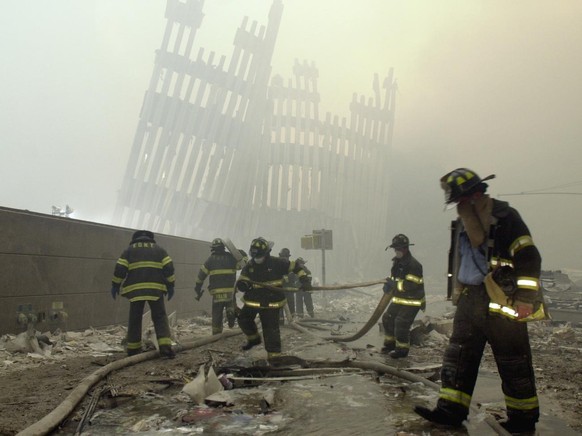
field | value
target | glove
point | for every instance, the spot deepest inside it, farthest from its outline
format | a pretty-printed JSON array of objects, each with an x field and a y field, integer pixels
[
  {"x": 306, "y": 286},
  {"x": 114, "y": 291},
  {"x": 388, "y": 286},
  {"x": 243, "y": 286},
  {"x": 523, "y": 309},
  {"x": 170, "y": 291},
  {"x": 199, "y": 293},
  {"x": 505, "y": 278}
]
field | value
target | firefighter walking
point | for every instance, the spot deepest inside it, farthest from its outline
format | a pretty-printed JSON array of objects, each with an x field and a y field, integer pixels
[
  {"x": 303, "y": 297},
  {"x": 407, "y": 285},
  {"x": 145, "y": 272},
  {"x": 220, "y": 267},
  {"x": 257, "y": 280},
  {"x": 289, "y": 281},
  {"x": 489, "y": 238}
]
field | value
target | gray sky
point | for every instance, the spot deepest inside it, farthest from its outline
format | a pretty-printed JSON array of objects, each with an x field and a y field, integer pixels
[{"x": 491, "y": 85}]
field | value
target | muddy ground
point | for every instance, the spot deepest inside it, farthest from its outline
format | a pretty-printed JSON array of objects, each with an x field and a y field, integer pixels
[{"x": 33, "y": 385}]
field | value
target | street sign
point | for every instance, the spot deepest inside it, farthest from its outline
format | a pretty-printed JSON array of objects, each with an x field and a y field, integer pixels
[
  {"x": 319, "y": 240},
  {"x": 324, "y": 239},
  {"x": 307, "y": 242}
]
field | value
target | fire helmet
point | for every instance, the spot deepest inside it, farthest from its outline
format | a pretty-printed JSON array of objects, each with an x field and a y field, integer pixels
[
  {"x": 400, "y": 241},
  {"x": 284, "y": 253},
  {"x": 142, "y": 234},
  {"x": 259, "y": 247},
  {"x": 462, "y": 182},
  {"x": 217, "y": 245}
]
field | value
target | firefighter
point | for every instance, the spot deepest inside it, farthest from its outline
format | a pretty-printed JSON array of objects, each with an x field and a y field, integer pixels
[
  {"x": 265, "y": 270},
  {"x": 489, "y": 237},
  {"x": 303, "y": 297},
  {"x": 289, "y": 281},
  {"x": 145, "y": 272},
  {"x": 220, "y": 267},
  {"x": 406, "y": 284}
]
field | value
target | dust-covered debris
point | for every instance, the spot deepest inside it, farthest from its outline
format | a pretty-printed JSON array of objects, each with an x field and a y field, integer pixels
[
  {"x": 37, "y": 383},
  {"x": 17, "y": 352}
]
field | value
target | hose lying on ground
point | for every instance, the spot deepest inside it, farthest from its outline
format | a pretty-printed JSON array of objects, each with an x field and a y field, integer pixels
[
  {"x": 60, "y": 413},
  {"x": 52, "y": 420},
  {"x": 322, "y": 320},
  {"x": 371, "y": 322}
]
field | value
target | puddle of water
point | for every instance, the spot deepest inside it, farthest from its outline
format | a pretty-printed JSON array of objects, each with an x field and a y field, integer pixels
[{"x": 351, "y": 404}]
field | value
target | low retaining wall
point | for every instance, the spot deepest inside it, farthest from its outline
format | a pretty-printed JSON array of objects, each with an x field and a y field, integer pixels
[{"x": 58, "y": 271}]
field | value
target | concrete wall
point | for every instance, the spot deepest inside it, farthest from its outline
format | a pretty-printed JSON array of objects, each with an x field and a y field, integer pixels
[{"x": 58, "y": 270}]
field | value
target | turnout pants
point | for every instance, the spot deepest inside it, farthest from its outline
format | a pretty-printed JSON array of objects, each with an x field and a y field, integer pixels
[
  {"x": 301, "y": 298},
  {"x": 473, "y": 327},
  {"x": 397, "y": 321},
  {"x": 290, "y": 296},
  {"x": 159, "y": 318},
  {"x": 218, "y": 309},
  {"x": 270, "y": 323}
]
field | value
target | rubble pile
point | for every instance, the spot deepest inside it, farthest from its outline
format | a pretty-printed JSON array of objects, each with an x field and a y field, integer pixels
[
  {"x": 203, "y": 380},
  {"x": 33, "y": 348}
]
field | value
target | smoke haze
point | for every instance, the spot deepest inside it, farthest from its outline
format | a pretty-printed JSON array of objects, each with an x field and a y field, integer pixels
[{"x": 491, "y": 85}]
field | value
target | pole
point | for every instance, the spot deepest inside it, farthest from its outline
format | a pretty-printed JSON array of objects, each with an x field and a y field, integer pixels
[
  {"x": 323, "y": 265},
  {"x": 322, "y": 241},
  {"x": 323, "y": 245}
]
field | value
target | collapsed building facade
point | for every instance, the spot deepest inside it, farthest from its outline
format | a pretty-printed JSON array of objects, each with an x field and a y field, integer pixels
[{"x": 227, "y": 148}]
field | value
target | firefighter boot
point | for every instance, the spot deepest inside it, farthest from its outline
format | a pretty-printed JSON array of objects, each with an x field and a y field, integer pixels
[
  {"x": 439, "y": 416},
  {"x": 388, "y": 347},
  {"x": 250, "y": 344},
  {"x": 514, "y": 425},
  {"x": 275, "y": 359},
  {"x": 399, "y": 353},
  {"x": 167, "y": 352}
]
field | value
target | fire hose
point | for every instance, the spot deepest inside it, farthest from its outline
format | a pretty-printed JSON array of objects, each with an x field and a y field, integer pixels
[
  {"x": 371, "y": 322},
  {"x": 318, "y": 288},
  {"x": 51, "y": 421},
  {"x": 382, "y": 305}
]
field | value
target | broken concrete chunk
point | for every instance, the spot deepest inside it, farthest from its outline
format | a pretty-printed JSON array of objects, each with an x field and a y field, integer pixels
[
  {"x": 212, "y": 384},
  {"x": 219, "y": 399},
  {"x": 195, "y": 389}
]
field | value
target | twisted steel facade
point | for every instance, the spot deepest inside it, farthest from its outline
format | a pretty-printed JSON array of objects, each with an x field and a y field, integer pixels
[{"x": 226, "y": 148}]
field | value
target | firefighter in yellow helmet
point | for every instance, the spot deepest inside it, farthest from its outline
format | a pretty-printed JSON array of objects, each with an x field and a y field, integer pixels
[
  {"x": 492, "y": 253},
  {"x": 407, "y": 286},
  {"x": 259, "y": 281}
]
